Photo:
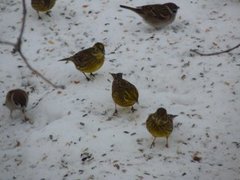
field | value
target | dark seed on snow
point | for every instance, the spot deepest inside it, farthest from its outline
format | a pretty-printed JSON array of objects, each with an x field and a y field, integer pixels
[
  {"x": 80, "y": 171},
  {"x": 82, "y": 124},
  {"x": 51, "y": 136}
]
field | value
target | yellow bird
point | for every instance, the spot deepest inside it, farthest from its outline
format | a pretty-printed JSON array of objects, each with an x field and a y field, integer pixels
[
  {"x": 124, "y": 93},
  {"x": 88, "y": 60},
  {"x": 43, "y": 6},
  {"x": 160, "y": 124}
]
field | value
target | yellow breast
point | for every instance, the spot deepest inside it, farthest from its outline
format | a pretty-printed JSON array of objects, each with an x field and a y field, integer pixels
[
  {"x": 41, "y": 5},
  {"x": 121, "y": 101},
  {"x": 93, "y": 64},
  {"x": 159, "y": 130}
]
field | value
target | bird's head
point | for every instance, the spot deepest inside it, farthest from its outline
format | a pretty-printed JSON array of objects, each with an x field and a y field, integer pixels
[
  {"x": 100, "y": 47},
  {"x": 173, "y": 7},
  {"x": 117, "y": 75},
  {"x": 161, "y": 112}
]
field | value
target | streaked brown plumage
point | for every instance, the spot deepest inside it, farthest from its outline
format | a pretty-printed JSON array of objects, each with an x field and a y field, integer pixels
[
  {"x": 42, "y": 6},
  {"x": 124, "y": 93},
  {"x": 160, "y": 124},
  {"x": 17, "y": 99},
  {"x": 88, "y": 60},
  {"x": 156, "y": 15}
]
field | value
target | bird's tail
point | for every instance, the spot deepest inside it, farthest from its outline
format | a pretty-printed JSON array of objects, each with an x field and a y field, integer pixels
[
  {"x": 65, "y": 59},
  {"x": 171, "y": 116},
  {"x": 137, "y": 102},
  {"x": 131, "y": 8}
]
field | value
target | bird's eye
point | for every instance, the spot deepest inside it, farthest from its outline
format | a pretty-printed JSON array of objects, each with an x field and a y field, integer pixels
[{"x": 174, "y": 10}]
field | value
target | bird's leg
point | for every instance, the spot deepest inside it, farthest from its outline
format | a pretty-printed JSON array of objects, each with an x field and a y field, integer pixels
[
  {"x": 39, "y": 17},
  {"x": 133, "y": 109},
  {"x": 153, "y": 143},
  {"x": 166, "y": 142},
  {"x": 25, "y": 117},
  {"x": 11, "y": 116},
  {"x": 88, "y": 79},
  {"x": 48, "y": 13},
  {"x": 115, "y": 112},
  {"x": 93, "y": 75}
]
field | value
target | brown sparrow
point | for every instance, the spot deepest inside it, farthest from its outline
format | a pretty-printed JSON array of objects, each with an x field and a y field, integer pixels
[
  {"x": 17, "y": 99},
  {"x": 157, "y": 15}
]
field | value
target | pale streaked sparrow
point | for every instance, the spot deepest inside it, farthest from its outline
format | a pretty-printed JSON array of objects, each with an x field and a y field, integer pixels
[
  {"x": 17, "y": 99},
  {"x": 157, "y": 15}
]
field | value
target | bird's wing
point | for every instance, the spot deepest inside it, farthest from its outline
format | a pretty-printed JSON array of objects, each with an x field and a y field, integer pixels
[
  {"x": 83, "y": 58},
  {"x": 130, "y": 92},
  {"x": 171, "y": 116},
  {"x": 157, "y": 10},
  {"x": 46, "y": 2},
  {"x": 151, "y": 117},
  {"x": 19, "y": 99}
]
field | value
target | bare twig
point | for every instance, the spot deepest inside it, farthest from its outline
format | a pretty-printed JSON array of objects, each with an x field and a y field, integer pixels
[
  {"x": 18, "y": 45},
  {"x": 7, "y": 43},
  {"x": 215, "y": 53},
  {"x": 35, "y": 104},
  {"x": 34, "y": 71},
  {"x": 151, "y": 37},
  {"x": 114, "y": 51}
]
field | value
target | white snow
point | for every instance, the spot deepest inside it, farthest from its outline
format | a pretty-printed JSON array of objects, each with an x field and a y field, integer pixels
[{"x": 74, "y": 135}]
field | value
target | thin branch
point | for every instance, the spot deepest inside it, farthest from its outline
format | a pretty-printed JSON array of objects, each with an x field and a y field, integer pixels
[
  {"x": 38, "y": 73},
  {"x": 215, "y": 53},
  {"x": 7, "y": 43},
  {"x": 114, "y": 51},
  {"x": 17, "y": 47},
  {"x": 35, "y": 104},
  {"x": 151, "y": 37}
]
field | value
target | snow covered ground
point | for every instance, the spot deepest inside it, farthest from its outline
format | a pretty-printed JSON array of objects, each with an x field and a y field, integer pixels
[{"x": 74, "y": 135}]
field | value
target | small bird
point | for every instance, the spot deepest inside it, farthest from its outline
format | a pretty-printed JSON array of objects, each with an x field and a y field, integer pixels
[
  {"x": 160, "y": 124},
  {"x": 156, "y": 15},
  {"x": 17, "y": 99},
  {"x": 123, "y": 92},
  {"x": 43, "y": 6},
  {"x": 88, "y": 60}
]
